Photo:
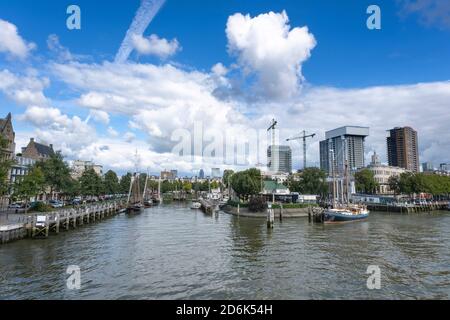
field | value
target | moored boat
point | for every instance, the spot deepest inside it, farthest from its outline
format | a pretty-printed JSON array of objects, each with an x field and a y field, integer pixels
[
  {"x": 196, "y": 205},
  {"x": 347, "y": 214}
]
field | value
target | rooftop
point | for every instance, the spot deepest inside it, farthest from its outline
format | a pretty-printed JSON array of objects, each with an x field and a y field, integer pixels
[{"x": 347, "y": 131}]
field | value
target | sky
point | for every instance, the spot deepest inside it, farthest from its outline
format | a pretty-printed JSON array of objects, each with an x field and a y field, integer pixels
[{"x": 207, "y": 77}]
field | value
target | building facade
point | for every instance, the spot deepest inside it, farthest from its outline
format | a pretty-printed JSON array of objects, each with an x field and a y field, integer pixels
[
  {"x": 7, "y": 133},
  {"x": 19, "y": 169},
  {"x": 279, "y": 159},
  {"x": 403, "y": 148},
  {"x": 427, "y": 167},
  {"x": 37, "y": 151},
  {"x": 80, "y": 166},
  {"x": 343, "y": 145}
]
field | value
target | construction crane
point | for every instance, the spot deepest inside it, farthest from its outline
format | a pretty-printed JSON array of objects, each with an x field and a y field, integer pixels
[
  {"x": 272, "y": 127},
  {"x": 303, "y": 137}
]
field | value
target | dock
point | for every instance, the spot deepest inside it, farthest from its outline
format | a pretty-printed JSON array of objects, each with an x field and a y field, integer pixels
[
  {"x": 435, "y": 206},
  {"x": 41, "y": 225}
]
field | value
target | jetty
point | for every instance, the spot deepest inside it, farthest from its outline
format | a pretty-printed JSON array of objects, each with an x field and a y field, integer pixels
[
  {"x": 41, "y": 225},
  {"x": 401, "y": 208}
]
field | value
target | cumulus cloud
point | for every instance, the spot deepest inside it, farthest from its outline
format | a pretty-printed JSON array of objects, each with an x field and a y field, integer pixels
[
  {"x": 12, "y": 43},
  {"x": 100, "y": 116},
  {"x": 267, "y": 46},
  {"x": 144, "y": 15},
  {"x": 430, "y": 12},
  {"x": 158, "y": 99},
  {"x": 154, "y": 45},
  {"x": 25, "y": 89},
  {"x": 68, "y": 134}
]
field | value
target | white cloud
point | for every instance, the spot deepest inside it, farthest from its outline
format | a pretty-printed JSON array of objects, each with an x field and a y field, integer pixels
[
  {"x": 158, "y": 99},
  {"x": 112, "y": 132},
  {"x": 68, "y": 134},
  {"x": 153, "y": 45},
  {"x": 12, "y": 43},
  {"x": 219, "y": 70},
  {"x": 100, "y": 116},
  {"x": 24, "y": 90},
  {"x": 267, "y": 46},
  {"x": 129, "y": 137},
  {"x": 144, "y": 15}
]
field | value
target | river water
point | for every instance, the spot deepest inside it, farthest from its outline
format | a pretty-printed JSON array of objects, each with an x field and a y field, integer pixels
[{"x": 173, "y": 252}]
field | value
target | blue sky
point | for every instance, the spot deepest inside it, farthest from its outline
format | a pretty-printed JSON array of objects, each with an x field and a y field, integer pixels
[{"x": 412, "y": 48}]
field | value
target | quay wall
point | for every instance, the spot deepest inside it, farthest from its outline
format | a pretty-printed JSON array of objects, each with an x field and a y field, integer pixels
[{"x": 286, "y": 213}]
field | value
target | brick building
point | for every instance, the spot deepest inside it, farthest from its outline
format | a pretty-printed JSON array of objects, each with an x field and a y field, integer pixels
[{"x": 37, "y": 151}]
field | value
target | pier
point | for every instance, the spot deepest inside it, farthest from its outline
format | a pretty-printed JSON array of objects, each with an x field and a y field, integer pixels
[
  {"x": 435, "y": 206},
  {"x": 41, "y": 225}
]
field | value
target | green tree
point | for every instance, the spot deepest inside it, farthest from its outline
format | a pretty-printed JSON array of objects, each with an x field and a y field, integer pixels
[
  {"x": 394, "y": 184},
  {"x": 227, "y": 174},
  {"x": 187, "y": 187},
  {"x": 30, "y": 185},
  {"x": 365, "y": 181},
  {"x": 111, "y": 183},
  {"x": 56, "y": 172},
  {"x": 91, "y": 183},
  {"x": 246, "y": 183},
  {"x": 313, "y": 181},
  {"x": 125, "y": 182}
]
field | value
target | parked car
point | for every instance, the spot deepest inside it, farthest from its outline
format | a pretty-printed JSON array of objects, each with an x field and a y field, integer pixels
[
  {"x": 56, "y": 204},
  {"x": 15, "y": 206}
]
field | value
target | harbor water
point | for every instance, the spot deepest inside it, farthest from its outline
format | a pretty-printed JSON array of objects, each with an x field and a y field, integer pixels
[{"x": 173, "y": 252}]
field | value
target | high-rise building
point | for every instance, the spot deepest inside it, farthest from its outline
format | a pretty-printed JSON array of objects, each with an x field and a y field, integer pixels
[
  {"x": 174, "y": 173},
  {"x": 343, "y": 145},
  {"x": 201, "y": 174},
  {"x": 427, "y": 167},
  {"x": 279, "y": 159},
  {"x": 403, "y": 148},
  {"x": 444, "y": 167}
]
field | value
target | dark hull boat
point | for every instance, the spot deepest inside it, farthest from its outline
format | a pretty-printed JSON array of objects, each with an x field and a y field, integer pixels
[
  {"x": 148, "y": 203},
  {"x": 135, "y": 209}
]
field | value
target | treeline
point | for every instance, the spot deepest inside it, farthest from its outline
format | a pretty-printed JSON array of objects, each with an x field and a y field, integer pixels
[
  {"x": 54, "y": 176},
  {"x": 410, "y": 183}
]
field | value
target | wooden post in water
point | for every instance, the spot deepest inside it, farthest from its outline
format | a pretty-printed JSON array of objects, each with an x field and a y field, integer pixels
[
  {"x": 270, "y": 217},
  {"x": 281, "y": 212}
]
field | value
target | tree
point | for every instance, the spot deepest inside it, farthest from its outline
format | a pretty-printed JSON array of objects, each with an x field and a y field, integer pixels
[
  {"x": 365, "y": 181},
  {"x": 56, "y": 173},
  {"x": 312, "y": 181},
  {"x": 30, "y": 185},
  {"x": 111, "y": 183},
  {"x": 125, "y": 182},
  {"x": 394, "y": 184},
  {"x": 246, "y": 183},
  {"x": 91, "y": 183},
  {"x": 227, "y": 174},
  {"x": 187, "y": 187}
]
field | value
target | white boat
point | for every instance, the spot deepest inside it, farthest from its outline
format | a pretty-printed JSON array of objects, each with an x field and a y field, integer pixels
[
  {"x": 196, "y": 205},
  {"x": 346, "y": 214}
]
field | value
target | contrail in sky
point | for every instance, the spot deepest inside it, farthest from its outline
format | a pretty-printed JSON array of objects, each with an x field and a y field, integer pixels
[{"x": 145, "y": 14}]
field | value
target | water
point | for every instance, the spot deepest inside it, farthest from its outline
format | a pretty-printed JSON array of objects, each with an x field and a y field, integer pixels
[{"x": 172, "y": 252}]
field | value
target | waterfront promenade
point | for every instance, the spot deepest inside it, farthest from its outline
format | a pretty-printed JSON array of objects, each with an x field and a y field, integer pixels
[{"x": 15, "y": 226}]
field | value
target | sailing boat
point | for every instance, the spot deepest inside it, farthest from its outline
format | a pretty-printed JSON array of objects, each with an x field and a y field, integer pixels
[
  {"x": 135, "y": 202},
  {"x": 148, "y": 202},
  {"x": 343, "y": 211}
]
